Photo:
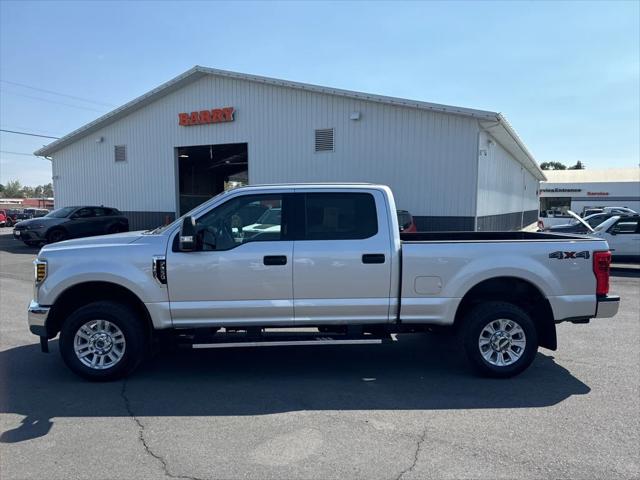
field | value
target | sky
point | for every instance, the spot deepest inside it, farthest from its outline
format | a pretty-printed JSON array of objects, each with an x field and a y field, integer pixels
[{"x": 566, "y": 75}]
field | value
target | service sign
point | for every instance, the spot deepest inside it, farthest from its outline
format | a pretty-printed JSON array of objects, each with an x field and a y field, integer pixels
[{"x": 216, "y": 115}]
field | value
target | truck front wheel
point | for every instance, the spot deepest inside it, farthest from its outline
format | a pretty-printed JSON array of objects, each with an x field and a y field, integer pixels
[
  {"x": 500, "y": 339},
  {"x": 103, "y": 341}
]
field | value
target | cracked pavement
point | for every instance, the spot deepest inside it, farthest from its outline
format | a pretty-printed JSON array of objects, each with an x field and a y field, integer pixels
[{"x": 410, "y": 410}]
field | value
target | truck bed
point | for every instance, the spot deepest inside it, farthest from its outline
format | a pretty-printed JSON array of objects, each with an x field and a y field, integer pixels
[{"x": 484, "y": 236}]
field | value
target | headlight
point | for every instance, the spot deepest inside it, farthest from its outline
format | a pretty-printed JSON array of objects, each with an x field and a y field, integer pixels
[{"x": 40, "y": 270}]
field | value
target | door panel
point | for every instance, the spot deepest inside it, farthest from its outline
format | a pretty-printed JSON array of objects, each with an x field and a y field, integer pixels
[
  {"x": 626, "y": 241},
  {"x": 242, "y": 274},
  {"x": 79, "y": 224},
  {"x": 232, "y": 287},
  {"x": 342, "y": 280}
]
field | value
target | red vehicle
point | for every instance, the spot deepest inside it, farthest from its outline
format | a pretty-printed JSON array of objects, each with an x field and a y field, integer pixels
[
  {"x": 3, "y": 218},
  {"x": 405, "y": 220}
]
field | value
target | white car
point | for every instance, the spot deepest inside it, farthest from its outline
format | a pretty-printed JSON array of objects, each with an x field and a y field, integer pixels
[{"x": 622, "y": 234}]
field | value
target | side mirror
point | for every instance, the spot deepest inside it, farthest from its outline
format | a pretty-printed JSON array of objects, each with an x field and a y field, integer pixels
[{"x": 187, "y": 241}]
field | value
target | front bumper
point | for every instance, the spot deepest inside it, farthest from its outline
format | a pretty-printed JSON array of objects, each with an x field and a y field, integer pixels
[
  {"x": 607, "y": 306},
  {"x": 29, "y": 235},
  {"x": 37, "y": 315}
]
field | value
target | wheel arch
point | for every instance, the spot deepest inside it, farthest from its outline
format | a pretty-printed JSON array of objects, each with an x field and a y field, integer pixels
[
  {"x": 85, "y": 293},
  {"x": 520, "y": 292}
]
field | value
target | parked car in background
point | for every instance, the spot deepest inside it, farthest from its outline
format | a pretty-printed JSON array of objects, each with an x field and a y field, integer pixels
[
  {"x": 71, "y": 222},
  {"x": 35, "y": 212},
  {"x": 614, "y": 210},
  {"x": 620, "y": 210},
  {"x": 576, "y": 226},
  {"x": 556, "y": 216},
  {"x": 14, "y": 216},
  {"x": 622, "y": 233},
  {"x": 406, "y": 223},
  {"x": 587, "y": 212},
  {"x": 3, "y": 218}
]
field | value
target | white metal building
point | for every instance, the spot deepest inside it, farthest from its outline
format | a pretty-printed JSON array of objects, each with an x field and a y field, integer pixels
[
  {"x": 580, "y": 189},
  {"x": 159, "y": 155}
]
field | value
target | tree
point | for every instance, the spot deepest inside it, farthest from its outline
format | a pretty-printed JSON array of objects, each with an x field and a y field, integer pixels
[
  {"x": 13, "y": 189},
  {"x": 553, "y": 166},
  {"x": 47, "y": 190},
  {"x": 1, "y": 189},
  {"x": 28, "y": 192},
  {"x": 578, "y": 166}
]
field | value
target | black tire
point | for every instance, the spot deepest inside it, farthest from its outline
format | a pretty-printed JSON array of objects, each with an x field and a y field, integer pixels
[
  {"x": 480, "y": 317},
  {"x": 115, "y": 228},
  {"x": 8, "y": 223},
  {"x": 31, "y": 244},
  {"x": 132, "y": 328},
  {"x": 56, "y": 235}
]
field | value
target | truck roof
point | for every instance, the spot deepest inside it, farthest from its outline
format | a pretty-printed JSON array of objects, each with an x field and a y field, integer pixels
[{"x": 313, "y": 185}]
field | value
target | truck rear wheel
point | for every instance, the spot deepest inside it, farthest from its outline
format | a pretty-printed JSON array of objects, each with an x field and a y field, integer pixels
[
  {"x": 103, "y": 341},
  {"x": 500, "y": 339}
]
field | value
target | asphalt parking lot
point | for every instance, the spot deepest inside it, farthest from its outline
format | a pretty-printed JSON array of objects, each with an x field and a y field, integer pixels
[{"x": 407, "y": 410}]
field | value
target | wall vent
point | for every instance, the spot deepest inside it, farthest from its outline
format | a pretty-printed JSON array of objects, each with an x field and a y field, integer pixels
[
  {"x": 120, "y": 153},
  {"x": 324, "y": 140}
]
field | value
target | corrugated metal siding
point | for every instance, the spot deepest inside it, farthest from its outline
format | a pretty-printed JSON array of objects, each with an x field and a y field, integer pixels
[
  {"x": 504, "y": 186},
  {"x": 427, "y": 158},
  {"x": 507, "y": 221}
]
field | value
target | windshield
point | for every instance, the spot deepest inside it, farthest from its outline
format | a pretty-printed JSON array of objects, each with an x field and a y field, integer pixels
[{"x": 60, "y": 212}]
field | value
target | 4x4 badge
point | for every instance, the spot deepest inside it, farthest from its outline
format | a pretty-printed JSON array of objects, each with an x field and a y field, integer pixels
[{"x": 564, "y": 255}]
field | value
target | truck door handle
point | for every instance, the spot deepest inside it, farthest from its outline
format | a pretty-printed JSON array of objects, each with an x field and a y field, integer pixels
[
  {"x": 275, "y": 260},
  {"x": 373, "y": 258}
]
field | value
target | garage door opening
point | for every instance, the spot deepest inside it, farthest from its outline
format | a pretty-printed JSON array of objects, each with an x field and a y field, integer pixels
[{"x": 206, "y": 170}]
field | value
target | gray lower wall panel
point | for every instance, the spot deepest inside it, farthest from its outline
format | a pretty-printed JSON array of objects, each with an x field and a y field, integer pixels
[
  {"x": 443, "y": 224},
  {"x": 147, "y": 220},
  {"x": 530, "y": 217},
  {"x": 507, "y": 221}
]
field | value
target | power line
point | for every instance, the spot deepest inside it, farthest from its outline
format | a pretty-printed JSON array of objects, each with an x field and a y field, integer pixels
[
  {"x": 18, "y": 153},
  {"x": 54, "y": 101},
  {"x": 56, "y": 93},
  {"x": 23, "y": 129},
  {"x": 27, "y": 133}
]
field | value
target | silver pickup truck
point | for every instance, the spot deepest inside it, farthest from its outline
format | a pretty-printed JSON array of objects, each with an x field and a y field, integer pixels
[{"x": 311, "y": 265}]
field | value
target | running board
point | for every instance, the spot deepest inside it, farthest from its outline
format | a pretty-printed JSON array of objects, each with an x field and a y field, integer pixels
[{"x": 319, "y": 340}]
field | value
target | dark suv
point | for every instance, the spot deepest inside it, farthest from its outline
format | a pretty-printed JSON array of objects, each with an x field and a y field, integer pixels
[{"x": 71, "y": 222}]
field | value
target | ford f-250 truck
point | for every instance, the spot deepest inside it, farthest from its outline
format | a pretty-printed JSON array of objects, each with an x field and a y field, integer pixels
[{"x": 333, "y": 262}]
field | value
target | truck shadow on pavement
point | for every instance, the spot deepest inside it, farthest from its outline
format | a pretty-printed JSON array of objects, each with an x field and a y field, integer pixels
[{"x": 416, "y": 373}]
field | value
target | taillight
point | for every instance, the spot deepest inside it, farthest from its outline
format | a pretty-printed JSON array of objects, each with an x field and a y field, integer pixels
[{"x": 601, "y": 262}]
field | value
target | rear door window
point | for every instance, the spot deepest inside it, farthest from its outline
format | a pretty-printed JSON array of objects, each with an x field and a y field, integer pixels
[
  {"x": 339, "y": 216},
  {"x": 627, "y": 226},
  {"x": 85, "y": 212}
]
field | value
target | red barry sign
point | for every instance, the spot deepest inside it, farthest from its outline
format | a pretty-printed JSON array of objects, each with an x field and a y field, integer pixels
[{"x": 217, "y": 115}]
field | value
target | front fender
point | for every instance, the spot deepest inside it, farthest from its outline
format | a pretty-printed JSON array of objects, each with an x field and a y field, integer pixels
[{"x": 135, "y": 276}]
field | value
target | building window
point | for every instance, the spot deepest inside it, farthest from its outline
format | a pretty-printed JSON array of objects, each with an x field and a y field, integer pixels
[
  {"x": 555, "y": 207},
  {"x": 324, "y": 140},
  {"x": 120, "y": 153}
]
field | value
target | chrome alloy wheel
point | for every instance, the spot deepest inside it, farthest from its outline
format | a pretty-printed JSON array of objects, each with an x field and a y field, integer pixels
[
  {"x": 99, "y": 344},
  {"x": 502, "y": 342}
]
